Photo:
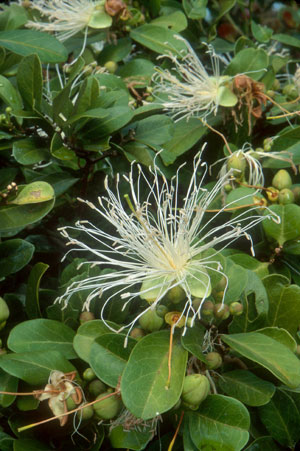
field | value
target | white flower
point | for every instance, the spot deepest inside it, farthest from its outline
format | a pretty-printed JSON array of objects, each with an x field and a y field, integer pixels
[
  {"x": 191, "y": 90},
  {"x": 68, "y": 17},
  {"x": 161, "y": 243}
]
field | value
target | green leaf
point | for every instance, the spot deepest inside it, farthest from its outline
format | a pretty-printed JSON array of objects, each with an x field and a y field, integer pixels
[
  {"x": 240, "y": 196},
  {"x": 261, "y": 33},
  {"x": 280, "y": 335},
  {"x": 286, "y": 39},
  {"x": 29, "y": 151},
  {"x": 192, "y": 341},
  {"x": 185, "y": 136},
  {"x": 175, "y": 21},
  {"x": 25, "y": 42},
  {"x": 289, "y": 227},
  {"x": 87, "y": 334},
  {"x": 30, "y": 81},
  {"x": 28, "y": 444},
  {"x": 115, "y": 51},
  {"x": 34, "y": 367},
  {"x": 8, "y": 383},
  {"x": 284, "y": 310},
  {"x": 163, "y": 126},
  {"x": 248, "y": 262},
  {"x": 265, "y": 351},
  {"x": 17, "y": 216},
  {"x": 252, "y": 62},
  {"x": 42, "y": 335},
  {"x": 265, "y": 443},
  {"x": 32, "y": 293},
  {"x": 108, "y": 357},
  {"x": 9, "y": 94},
  {"x": 14, "y": 255},
  {"x": 195, "y": 9},
  {"x": 246, "y": 387},
  {"x": 281, "y": 418},
  {"x": 116, "y": 118},
  {"x": 130, "y": 439},
  {"x": 139, "y": 72},
  {"x": 220, "y": 423},
  {"x": 99, "y": 19},
  {"x": 34, "y": 193},
  {"x": 225, "y": 6},
  {"x": 159, "y": 39},
  {"x": 146, "y": 373},
  {"x": 237, "y": 282},
  {"x": 87, "y": 96}
]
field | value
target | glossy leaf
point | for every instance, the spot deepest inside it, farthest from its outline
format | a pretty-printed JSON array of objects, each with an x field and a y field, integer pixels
[
  {"x": 192, "y": 341},
  {"x": 9, "y": 94},
  {"x": 28, "y": 151},
  {"x": 87, "y": 334},
  {"x": 265, "y": 351},
  {"x": 30, "y": 81},
  {"x": 246, "y": 387},
  {"x": 162, "y": 125},
  {"x": 8, "y": 383},
  {"x": 195, "y": 9},
  {"x": 42, "y": 335},
  {"x": 34, "y": 367},
  {"x": 281, "y": 418},
  {"x": 34, "y": 193},
  {"x": 249, "y": 61},
  {"x": 175, "y": 21},
  {"x": 109, "y": 356},
  {"x": 158, "y": 39},
  {"x": 27, "y": 42},
  {"x": 280, "y": 335},
  {"x": 221, "y": 423},
  {"x": 14, "y": 255},
  {"x": 18, "y": 216},
  {"x": 146, "y": 373},
  {"x": 289, "y": 227},
  {"x": 132, "y": 439}
]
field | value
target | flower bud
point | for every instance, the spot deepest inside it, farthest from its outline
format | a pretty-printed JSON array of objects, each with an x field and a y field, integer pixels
[
  {"x": 207, "y": 308},
  {"x": 236, "y": 308},
  {"x": 221, "y": 311},
  {"x": 227, "y": 188},
  {"x": 176, "y": 295},
  {"x": 286, "y": 196},
  {"x": 86, "y": 316},
  {"x": 86, "y": 413},
  {"x": 96, "y": 387},
  {"x": 268, "y": 143},
  {"x": 272, "y": 194},
  {"x": 238, "y": 163},
  {"x": 290, "y": 91},
  {"x": 150, "y": 321},
  {"x": 282, "y": 179},
  {"x": 107, "y": 408},
  {"x": 162, "y": 310},
  {"x": 4, "y": 310},
  {"x": 88, "y": 374},
  {"x": 214, "y": 360},
  {"x": 195, "y": 389},
  {"x": 137, "y": 333}
]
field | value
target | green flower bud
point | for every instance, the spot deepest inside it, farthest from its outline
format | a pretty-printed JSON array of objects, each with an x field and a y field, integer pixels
[
  {"x": 296, "y": 192},
  {"x": 8, "y": 109},
  {"x": 236, "y": 308},
  {"x": 176, "y": 295},
  {"x": 207, "y": 308},
  {"x": 4, "y": 310},
  {"x": 282, "y": 179},
  {"x": 286, "y": 196},
  {"x": 221, "y": 311},
  {"x": 162, "y": 310},
  {"x": 227, "y": 188},
  {"x": 88, "y": 374},
  {"x": 86, "y": 413},
  {"x": 111, "y": 66},
  {"x": 214, "y": 360},
  {"x": 96, "y": 387},
  {"x": 290, "y": 91},
  {"x": 86, "y": 316},
  {"x": 137, "y": 333},
  {"x": 238, "y": 163},
  {"x": 70, "y": 403},
  {"x": 150, "y": 321},
  {"x": 268, "y": 143},
  {"x": 196, "y": 387},
  {"x": 107, "y": 408},
  {"x": 196, "y": 303},
  {"x": 272, "y": 194}
]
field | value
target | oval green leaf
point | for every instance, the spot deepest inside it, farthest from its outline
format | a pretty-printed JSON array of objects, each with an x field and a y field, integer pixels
[
  {"x": 34, "y": 193},
  {"x": 220, "y": 423},
  {"x": 42, "y": 335},
  {"x": 29, "y": 151},
  {"x": 159, "y": 39},
  {"x": 289, "y": 226},
  {"x": 265, "y": 351},
  {"x": 146, "y": 373},
  {"x": 109, "y": 356},
  {"x": 18, "y": 216},
  {"x": 14, "y": 255}
]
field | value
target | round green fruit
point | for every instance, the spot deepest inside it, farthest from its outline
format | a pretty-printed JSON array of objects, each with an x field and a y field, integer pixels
[
  {"x": 107, "y": 408},
  {"x": 282, "y": 179},
  {"x": 88, "y": 374},
  {"x": 150, "y": 321},
  {"x": 286, "y": 196},
  {"x": 196, "y": 387},
  {"x": 214, "y": 360},
  {"x": 96, "y": 387}
]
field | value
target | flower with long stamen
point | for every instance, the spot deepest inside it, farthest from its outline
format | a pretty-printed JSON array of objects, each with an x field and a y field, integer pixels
[
  {"x": 190, "y": 90},
  {"x": 68, "y": 17},
  {"x": 161, "y": 242}
]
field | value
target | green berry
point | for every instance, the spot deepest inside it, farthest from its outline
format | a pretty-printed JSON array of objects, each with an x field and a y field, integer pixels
[
  {"x": 207, "y": 308},
  {"x": 111, "y": 66},
  {"x": 108, "y": 408},
  {"x": 221, "y": 311},
  {"x": 236, "y": 308},
  {"x": 238, "y": 163},
  {"x": 176, "y": 295},
  {"x": 4, "y": 310},
  {"x": 96, "y": 387},
  {"x": 88, "y": 374},
  {"x": 86, "y": 413}
]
